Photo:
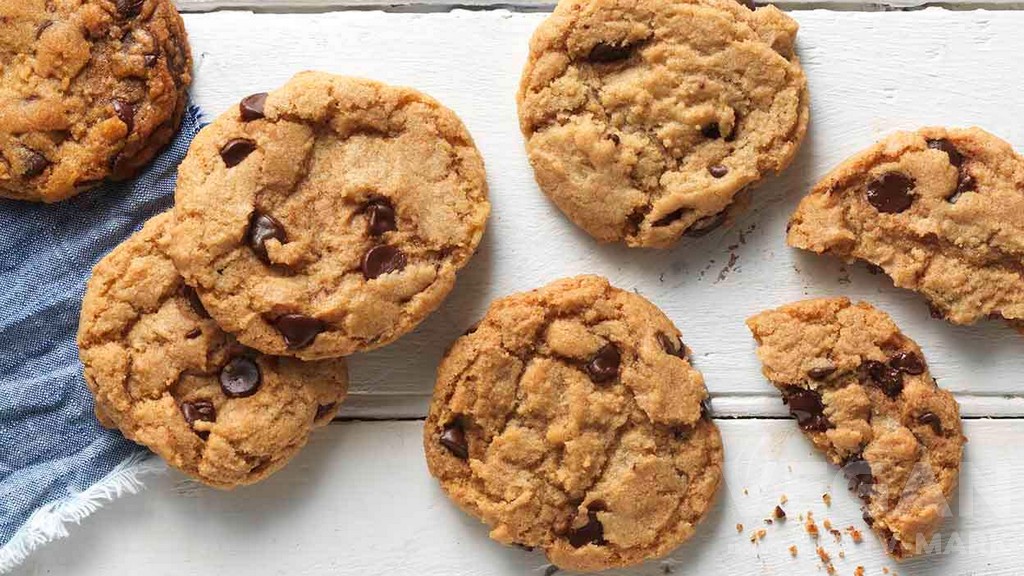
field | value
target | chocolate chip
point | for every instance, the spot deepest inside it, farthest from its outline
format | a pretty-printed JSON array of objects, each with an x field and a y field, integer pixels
[
  {"x": 935, "y": 311},
  {"x": 325, "y": 409},
  {"x": 868, "y": 519},
  {"x": 198, "y": 410},
  {"x": 299, "y": 331},
  {"x": 965, "y": 183},
  {"x": 670, "y": 217},
  {"x": 35, "y": 163},
  {"x": 150, "y": 60},
  {"x": 676, "y": 348},
  {"x": 251, "y": 107},
  {"x": 614, "y": 138},
  {"x": 453, "y": 437},
  {"x": 907, "y": 362},
  {"x": 240, "y": 377},
  {"x": 382, "y": 259},
  {"x": 888, "y": 379},
  {"x": 807, "y": 407},
  {"x": 236, "y": 150},
  {"x": 874, "y": 269},
  {"x": 933, "y": 420},
  {"x": 129, "y": 8},
  {"x": 125, "y": 113},
  {"x": 381, "y": 217},
  {"x": 705, "y": 225},
  {"x": 263, "y": 227},
  {"x": 717, "y": 170},
  {"x": 603, "y": 52},
  {"x": 861, "y": 479},
  {"x": 821, "y": 372},
  {"x": 604, "y": 366},
  {"x": 711, "y": 131},
  {"x": 955, "y": 157},
  {"x": 590, "y": 533},
  {"x": 192, "y": 296},
  {"x": 891, "y": 192},
  {"x": 193, "y": 333}
]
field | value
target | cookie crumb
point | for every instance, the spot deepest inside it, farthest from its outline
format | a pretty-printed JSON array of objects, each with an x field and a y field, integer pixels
[
  {"x": 739, "y": 528},
  {"x": 859, "y": 571},
  {"x": 779, "y": 513},
  {"x": 855, "y": 535},
  {"x": 810, "y": 525},
  {"x": 827, "y": 499},
  {"x": 758, "y": 535},
  {"x": 827, "y": 524},
  {"x": 783, "y": 499},
  {"x": 792, "y": 550},
  {"x": 745, "y": 493},
  {"x": 826, "y": 560}
]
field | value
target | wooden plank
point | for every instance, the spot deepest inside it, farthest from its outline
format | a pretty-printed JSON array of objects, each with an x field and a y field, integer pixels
[
  {"x": 869, "y": 73},
  {"x": 283, "y": 6},
  {"x": 359, "y": 500}
]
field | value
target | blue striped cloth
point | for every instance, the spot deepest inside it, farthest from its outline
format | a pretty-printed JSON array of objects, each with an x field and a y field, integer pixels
[{"x": 52, "y": 450}]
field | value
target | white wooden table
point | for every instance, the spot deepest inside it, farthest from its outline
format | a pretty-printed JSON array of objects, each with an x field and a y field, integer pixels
[{"x": 359, "y": 499}]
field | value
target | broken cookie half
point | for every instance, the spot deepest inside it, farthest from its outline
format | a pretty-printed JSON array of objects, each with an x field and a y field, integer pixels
[
  {"x": 941, "y": 211},
  {"x": 861, "y": 392}
]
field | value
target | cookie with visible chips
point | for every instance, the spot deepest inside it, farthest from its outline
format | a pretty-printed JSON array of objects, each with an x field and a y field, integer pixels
[
  {"x": 329, "y": 216},
  {"x": 861, "y": 392},
  {"x": 570, "y": 420},
  {"x": 164, "y": 373}
]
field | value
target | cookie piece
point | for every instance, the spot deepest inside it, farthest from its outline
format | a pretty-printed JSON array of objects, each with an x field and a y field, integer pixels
[
  {"x": 330, "y": 216},
  {"x": 861, "y": 392},
  {"x": 89, "y": 90},
  {"x": 570, "y": 420},
  {"x": 645, "y": 119},
  {"x": 166, "y": 375},
  {"x": 941, "y": 211}
]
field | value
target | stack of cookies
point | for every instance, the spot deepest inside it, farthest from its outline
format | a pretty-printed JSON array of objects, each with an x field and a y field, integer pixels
[{"x": 322, "y": 219}]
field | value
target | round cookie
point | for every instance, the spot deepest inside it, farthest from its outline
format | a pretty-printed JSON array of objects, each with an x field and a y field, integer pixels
[
  {"x": 940, "y": 210},
  {"x": 89, "y": 90},
  {"x": 166, "y": 375},
  {"x": 570, "y": 420},
  {"x": 861, "y": 392},
  {"x": 645, "y": 119},
  {"x": 330, "y": 216}
]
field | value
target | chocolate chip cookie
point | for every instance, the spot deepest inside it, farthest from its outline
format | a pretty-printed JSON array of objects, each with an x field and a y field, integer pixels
[
  {"x": 861, "y": 392},
  {"x": 570, "y": 420},
  {"x": 166, "y": 375},
  {"x": 329, "y": 216},
  {"x": 89, "y": 90},
  {"x": 941, "y": 211},
  {"x": 644, "y": 120}
]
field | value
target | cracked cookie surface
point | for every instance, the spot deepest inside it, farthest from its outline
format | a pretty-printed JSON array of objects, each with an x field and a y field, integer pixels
[
  {"x": 941, "y": 211},
  {"x": 645, "y": 119},
  {"x": 166, "y": 375},
  {"x": 89, "y": 90},
  {"x": 570, "y": 420},
  {"x": 861, "y": 392},
  {"x": 330, "y": 216}
]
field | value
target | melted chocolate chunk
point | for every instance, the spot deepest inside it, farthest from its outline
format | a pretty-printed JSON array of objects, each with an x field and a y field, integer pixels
[
  {"x": 251, "y": 107},
  {"x": 891, "y": 192},
  {"x": 861, "y": 479},
  {"x": 382, "y": 259},
  {"x": 590, "y": 533},
  {"x": 705, "y": 225},
  {"x": 670, "y": 217},
  {"x": 263, "y": 227},
  {"x": 822, "y": 372},
  {"x": 236, "y": 150},
  {"x": 194, "y": 302},
  {"x": 129, "y": 8},
  {"x": 453, "y": 437},
  {"x": 150, "y": 60},
  {"x": 888, "y": 379},
  {"x": 42, "y": 28},
  {"x": 717, "y": 170},
  {"x": 603, "y": 53},
  {"x": 240, "y": 377},
  {"x": 381, "y": 217},
  {"x": 35, "y": 163},
  {"x": 933, "y": 420},
  {"x": 676, "y": 348},
  {"x": 125, "y": 113},
  {"x": 965, "y": 182},
  {"x": 711, "y": 131},
  {"x": 955, "y": 157},
  {"x": 193, "y": 333},
  {"x": 298, "y": 331},
  {"x": 604, "y": 366},
  {"x": 807, "y": 407},
  {"x": 198, "y": 410},
  {"x": 907, "y": 362}
]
